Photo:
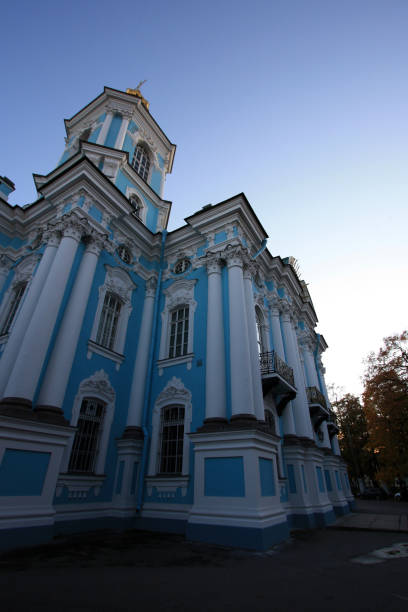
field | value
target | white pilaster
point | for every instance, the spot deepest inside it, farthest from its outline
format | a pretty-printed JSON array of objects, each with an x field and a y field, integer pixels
[
  {"x": 241, "y": 370},
  {"x": 122, "y": 133},
  {"x": 24, "y": 315},
  {"x": 105, "y": 128},
  {"x": 137, "y": 391},
  {"x": 309, "y": 362},
  {"x": 215, "y": 394},
  {"x": 253, "y": 345},
  {"x": 28, "y": 365},
  {"x": 59, "y": 368}
]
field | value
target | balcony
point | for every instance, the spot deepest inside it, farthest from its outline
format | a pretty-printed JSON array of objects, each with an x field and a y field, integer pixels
[
  {"x": 278, "y": 377},
  {"x": 317, "y": 406}
]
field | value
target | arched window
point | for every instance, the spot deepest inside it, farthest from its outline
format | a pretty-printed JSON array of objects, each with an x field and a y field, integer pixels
[
  {"x": 141, "y": 161},
  {"x": 87, "y": 438},
  {"x": 171, "y": 440},
  {"x": 14, "y": 303},
  {"x": 108, "y": 322},
  {"x": 137, "y": 206}
]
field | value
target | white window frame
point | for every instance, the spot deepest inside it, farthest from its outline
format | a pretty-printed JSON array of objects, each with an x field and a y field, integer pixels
[
  {"x": 179, "y": 294},
  {"x": 174, "y": 393},
  {"x": 130, "y": 191},
  {"x": 118, "y": 282},
  {"x": 142, "y": 145},
  {"x": 98, "y": 387},
  {"x": 23, "y": 274}
]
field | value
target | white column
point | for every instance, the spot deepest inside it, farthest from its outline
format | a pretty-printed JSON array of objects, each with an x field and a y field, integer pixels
[
  {"x": 122, "y": 133},
  {"x": 300, "y": 403},
  {"x": 241, "y": 370},
  {"x": 105, "y": 128},
  {"x": 326, "y": 437},
  {"x": 276, "y": 330},
  {"x": 24, "y": 315},
  {"x": 253, "y": 345},
  {"x": 28, "y": 365},
  {"x": 335, "y": 445},
  {"x": 311, "y": 372},
  {"x": 59, "y": 368},
  {"x": 215, "y": 394},
  {"x": 137, "y": 391}
]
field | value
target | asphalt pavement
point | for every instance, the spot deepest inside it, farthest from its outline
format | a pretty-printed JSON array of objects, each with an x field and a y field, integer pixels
[{"x": 331, "y": 570}]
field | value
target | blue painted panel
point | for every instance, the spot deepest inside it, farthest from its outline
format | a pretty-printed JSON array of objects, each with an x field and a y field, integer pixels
[
  {"x": 122, "y": 183},
  {"x": 6, "y": 189},
  {"x": 320, "y": 479},
  {"x": 66, "y": 208},
  {"x": 23, "y": 472},
  {"x": 337, "y": 480},
  {"x": 304, "y": 478},
  {"x": 132, "y": 127},
  {"x": 94, "y": 136},
  {"x": 328, "y": 480},
  {"x": 113, "y": 131},
  {"x": 220, "y": 237},
  {"x": 14, "y": 243},
  {"x": 161, "y": 161},
  {"x": 270, "y": 285},
  {"x": 129, "y": 146},
  {"x": 120, "y": 477},
  {"x": 291, "y": 478},
  {"x": 267, "y": 476},
  {"x": 68, "y": 153},
  {"x": 224, "y": 477},
  {"x": 133, "y": 482},
  {"x": 156, "y": 180},
  {"x": 96, "y": 213}
]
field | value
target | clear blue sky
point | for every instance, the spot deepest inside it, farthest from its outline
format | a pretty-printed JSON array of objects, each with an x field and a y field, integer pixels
[{"x": 301, "y": 104}]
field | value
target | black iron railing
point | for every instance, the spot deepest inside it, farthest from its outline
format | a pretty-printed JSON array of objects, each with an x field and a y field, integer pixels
[
  {"x": 271, "y": 363},
  {"x": 314, "y": 396}
]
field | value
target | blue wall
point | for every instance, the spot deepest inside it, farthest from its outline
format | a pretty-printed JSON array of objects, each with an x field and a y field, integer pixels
[
  {"x": 224, "y": 477},
  {"x": 23, "y": 472}
]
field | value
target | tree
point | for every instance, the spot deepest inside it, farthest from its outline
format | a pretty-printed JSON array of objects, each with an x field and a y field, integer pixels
[
  {"x": 354, "y": 437},
  {"x": 385, "y": 402}
]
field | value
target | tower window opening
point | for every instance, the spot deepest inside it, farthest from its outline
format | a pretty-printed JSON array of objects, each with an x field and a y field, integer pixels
[{"x": 141, "y": 161}]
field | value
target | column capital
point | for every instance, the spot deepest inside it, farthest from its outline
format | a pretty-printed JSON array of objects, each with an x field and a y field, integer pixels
[
  {"x": 213, "y": 263},
  {"x": 96, "y": 242},
  {"x": 52, "y": 236},
  {"x": 235, "y": 256},
  {"x": 305, "y": 339},
  {"x": 250, "y": 269},
  {"x": 73, "y": 227},
  {"x": 151, "y": 284}
]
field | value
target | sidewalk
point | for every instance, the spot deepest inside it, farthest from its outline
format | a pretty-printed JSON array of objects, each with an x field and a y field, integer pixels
[{"x": 375, "y": 516}]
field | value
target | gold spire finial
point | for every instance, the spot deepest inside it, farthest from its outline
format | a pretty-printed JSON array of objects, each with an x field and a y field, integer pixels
[{"x": 136, "y": 92}]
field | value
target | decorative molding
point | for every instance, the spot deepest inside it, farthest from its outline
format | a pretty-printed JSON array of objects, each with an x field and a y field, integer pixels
[{"x": 79, "y": 486}]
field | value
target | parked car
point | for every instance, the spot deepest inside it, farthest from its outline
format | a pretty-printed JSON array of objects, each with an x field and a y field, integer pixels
[{"x": 374, "y": 493}]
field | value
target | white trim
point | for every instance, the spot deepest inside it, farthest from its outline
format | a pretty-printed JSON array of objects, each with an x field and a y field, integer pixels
[
  {"x": 181, "y": 292},
  {"x": 97, "y": 386},
  {"x": 173, "y": 393},
  {"x": 118, "y": 282}
]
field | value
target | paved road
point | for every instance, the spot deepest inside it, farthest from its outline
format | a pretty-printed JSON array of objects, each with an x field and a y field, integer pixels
[{"x": 320, "y": 570}]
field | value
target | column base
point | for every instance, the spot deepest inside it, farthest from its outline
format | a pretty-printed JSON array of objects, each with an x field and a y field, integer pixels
[
  {"x": 132, "y": 432},
  {"x": 213, "y": 424},
  {"x": 292, "y": 440},
  {"x": 50, "y": 414},
  {"x": 17, "y": 407},
  {"x": 243, "y": 421}
]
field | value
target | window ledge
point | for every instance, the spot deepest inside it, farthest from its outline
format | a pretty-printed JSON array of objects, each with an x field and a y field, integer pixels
[
  {"x": 93, "y": 347},
  {"x": 173, "y": 361},
  {"x": 166, "y": 486},
  {"x": 79, "y": 485}
]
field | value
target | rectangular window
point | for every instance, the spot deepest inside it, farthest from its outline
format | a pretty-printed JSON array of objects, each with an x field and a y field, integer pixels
[
  {"x": 108, "y": 322},
  {"x": 86, "y": 442},
  {"x": 171, "y": 440},
  {"x": 178, "y": 344},
  {"x": 12, "y": 309}
]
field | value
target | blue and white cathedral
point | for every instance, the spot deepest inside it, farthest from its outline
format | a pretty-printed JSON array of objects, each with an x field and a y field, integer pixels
[{"x": 159, "y": 380}]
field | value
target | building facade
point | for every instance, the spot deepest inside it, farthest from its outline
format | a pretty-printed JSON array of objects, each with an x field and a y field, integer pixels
[{"x": 152, "y": 379}]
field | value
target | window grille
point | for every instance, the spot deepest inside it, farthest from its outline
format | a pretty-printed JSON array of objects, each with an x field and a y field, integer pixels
[
  {"x": 259, "y": 331},
  {"x": 108, "y": 322},
  {"x": 137, "y": 206},
  {"x": 124, "y": 253},
  {"x": 12, "y": 309},
  {"x": 181, "y": 266},
  {"x": 141, "y": 161},
  {"x": 171, "y": 440},
  {"x": 179, "y": 332},
  {"x": 86, "y": 442}
]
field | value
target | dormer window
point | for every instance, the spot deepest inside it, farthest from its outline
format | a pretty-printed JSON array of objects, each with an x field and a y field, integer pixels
[{"x": 141, "y": 161}]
